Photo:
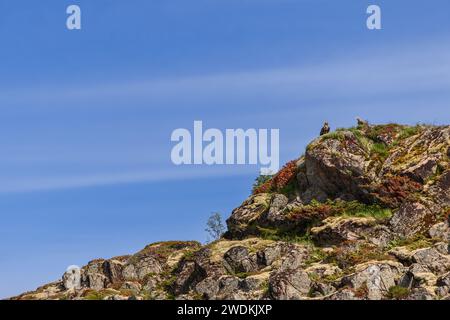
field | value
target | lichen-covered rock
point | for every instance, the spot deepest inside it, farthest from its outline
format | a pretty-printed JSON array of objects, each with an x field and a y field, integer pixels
[
  {"x": 440, "y": 231},
  {"x": 295, "y": 257},
  {"x": 336, "y": 230},
  {"x": 239, "y": 260},
  {"x": 325, "y": 278},
  {"x": 412, "y": 218},
  {"x": 421, "y": 294},
  {"x": 155, "y": 258},
  {"x": 420, "y": 155},
  {"x": 443, "y": 285},
  {"x": 373, "y": 279},
  {"x": 271, "y": 253},
  {"x": 337, "y": 166},
  {"x": 419, "y": 276},
  {"x": 440, "y": 190},
  {"x": 289, "y": 284},
  {"x": 430, "y": 258},
  {"x": 95, "y": 275},
  {"x": 208, "y": 288},
  {"x": 344, "y": 294},
  {"x": 250, "y": 211},
  {"x": 135, "y": 287},
  {"x": 190, "y": 272},
  {"x": 277, "y": 206},
  {"x": 323, "y": 270}
]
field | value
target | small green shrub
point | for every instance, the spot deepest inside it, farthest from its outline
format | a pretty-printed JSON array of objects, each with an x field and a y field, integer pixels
[
  {"x": 358, "y": 209},
  {"x": 398, "y": 293},
  {"x": 352, "y": 209},
  {"x": 243, "y": 275},
  {"x": 380, "y": 149}
]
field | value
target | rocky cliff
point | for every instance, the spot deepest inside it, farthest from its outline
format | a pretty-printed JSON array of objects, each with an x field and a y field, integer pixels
[{"x": 362, "y": 215}]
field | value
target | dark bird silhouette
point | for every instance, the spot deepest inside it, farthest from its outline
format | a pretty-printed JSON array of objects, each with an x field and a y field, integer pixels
[
  {"x": 362, "y": 123},
  {"x": 325, "y": 129}
]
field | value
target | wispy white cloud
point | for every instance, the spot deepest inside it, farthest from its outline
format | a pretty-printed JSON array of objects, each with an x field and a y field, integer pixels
[
  {"x": 62, "y": 182},
  {"x": 398, "y": 70}
]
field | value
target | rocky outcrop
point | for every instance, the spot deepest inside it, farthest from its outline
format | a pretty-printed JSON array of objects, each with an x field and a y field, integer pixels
[
  {"x": 337, "y": 168},
  {"x": 336, "y": 230},
  {"x": 372, "y": 280},
  {"x": 364, "y": 214},
  {"x": 412, "y": 218}
]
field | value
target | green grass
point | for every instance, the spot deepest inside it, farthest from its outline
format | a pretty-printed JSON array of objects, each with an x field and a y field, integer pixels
[
  {"x": 265, "y": 288},
  {"x": 380, "y": 149},
  {"x": 284, "y": 235},
  {"x": 358, "y": 209},
  {"x": 317, "y": 255},
  {"x": 99, "y": 295},
  {"x": 398, "y": 293},
  {"x": 413, "y": 243},
  {"x": 409, "y": 132},
  {"x": 335, "y": 135},
  {"x": 372, "y": 212},
  {"x": 334, "y": 277},
  {"x": 243, "y": 275}
]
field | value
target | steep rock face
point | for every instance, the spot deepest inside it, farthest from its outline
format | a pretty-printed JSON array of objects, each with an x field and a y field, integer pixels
[
  {"x": 364, "y": 214},
  {"x": 337, "y": 168}
]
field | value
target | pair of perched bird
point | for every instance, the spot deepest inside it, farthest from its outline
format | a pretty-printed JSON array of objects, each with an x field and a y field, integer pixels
[{"x": 326, "y": 126}]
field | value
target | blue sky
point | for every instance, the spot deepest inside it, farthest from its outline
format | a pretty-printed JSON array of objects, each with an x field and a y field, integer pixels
[{"x": 86, "y": 116}]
